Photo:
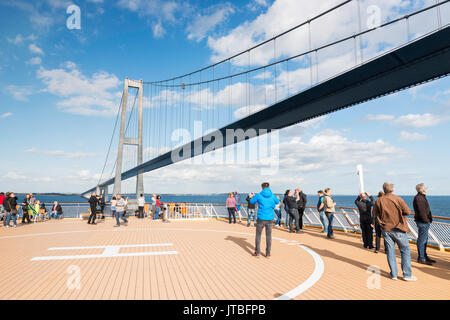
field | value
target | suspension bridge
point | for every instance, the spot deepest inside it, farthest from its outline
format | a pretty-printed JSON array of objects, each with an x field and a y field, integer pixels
[{"x": 295, "y": 76}]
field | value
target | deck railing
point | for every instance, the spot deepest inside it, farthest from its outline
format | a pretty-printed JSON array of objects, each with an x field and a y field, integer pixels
[{"x": 345, "y": 219}]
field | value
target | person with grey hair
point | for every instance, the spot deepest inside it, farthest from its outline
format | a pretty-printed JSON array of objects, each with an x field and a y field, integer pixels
[
  {"x": 390, "y": 211},
  {"x": 423, "y": 219}
]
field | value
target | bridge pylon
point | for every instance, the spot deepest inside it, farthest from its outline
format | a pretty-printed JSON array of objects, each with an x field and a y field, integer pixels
[{"x": 123, "y": 140}]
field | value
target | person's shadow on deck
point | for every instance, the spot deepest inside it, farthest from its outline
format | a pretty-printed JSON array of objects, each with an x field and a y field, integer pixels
[{"x": 243, "y": 243}]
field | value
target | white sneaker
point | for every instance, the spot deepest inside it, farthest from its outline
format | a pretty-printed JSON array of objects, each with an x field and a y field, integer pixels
[
  {"x": 15, "y": 226},
  {"x": 394, "y": 278},
  {"x": 412, "y": 278},
  {"x": 7, "y": 226}
]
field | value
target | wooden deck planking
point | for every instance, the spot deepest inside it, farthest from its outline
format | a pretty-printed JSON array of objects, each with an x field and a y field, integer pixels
[{"x": 208, "y": 265}]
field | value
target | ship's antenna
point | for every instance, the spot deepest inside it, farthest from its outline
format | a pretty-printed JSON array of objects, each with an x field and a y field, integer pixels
[{"x": 359, "y": 172}]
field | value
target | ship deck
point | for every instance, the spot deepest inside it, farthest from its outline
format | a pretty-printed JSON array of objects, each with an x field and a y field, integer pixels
[{"x": 200, "y": 260}]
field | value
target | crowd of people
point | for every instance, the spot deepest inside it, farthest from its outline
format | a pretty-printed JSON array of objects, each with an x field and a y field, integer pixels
[
  {"x": 33, "y": 210},
  {"x": 387, "y": 215}
]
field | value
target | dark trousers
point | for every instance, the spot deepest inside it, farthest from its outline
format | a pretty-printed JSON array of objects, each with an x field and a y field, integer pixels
[
  {"x": 260, "y": 225},
  {"x": 26, "y": 217},
  {"x": 301, "y": 210},
  {"x": 293, "y": 213},
  {"x": 232, "y": 213},
  {"x": 92, "y": 216},
  {"x": 141, "y": 212},
  {"x": 377, "y": 236},
  {"x": 367, "y": 232}
]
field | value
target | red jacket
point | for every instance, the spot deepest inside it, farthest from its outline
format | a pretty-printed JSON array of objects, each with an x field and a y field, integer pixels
[{"x": 1, "y": 199}]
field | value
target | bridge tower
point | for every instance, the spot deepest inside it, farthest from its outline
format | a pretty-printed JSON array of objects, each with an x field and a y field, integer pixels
[{"x": 130, "y": 141}]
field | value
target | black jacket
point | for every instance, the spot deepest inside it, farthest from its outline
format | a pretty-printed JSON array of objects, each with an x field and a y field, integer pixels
[
  {"x": 58, "y": 209},
  {"x": 250, "y": 206},
  {"x": 93, "y": 201},
  {"x": 12, "y": 203},
  {"x": 6, "y": 204},
  {"x": 422, "y": 209},
  {"x": 291, "y": 202},
  {"x": 301, "y": 203},
  {"x": 365, "y": 207}
]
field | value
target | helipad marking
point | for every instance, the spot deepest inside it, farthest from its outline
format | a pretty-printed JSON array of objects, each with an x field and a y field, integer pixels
[
  {"x": 313, "y": 278},
  {"x": 109, "y": 252}
]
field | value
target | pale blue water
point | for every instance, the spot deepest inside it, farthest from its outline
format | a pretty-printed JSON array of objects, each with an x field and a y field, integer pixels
[{"x": 440, "y": 205}]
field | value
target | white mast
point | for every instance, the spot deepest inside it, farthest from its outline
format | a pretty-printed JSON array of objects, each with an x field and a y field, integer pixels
[{"x": 359, "y": 172}]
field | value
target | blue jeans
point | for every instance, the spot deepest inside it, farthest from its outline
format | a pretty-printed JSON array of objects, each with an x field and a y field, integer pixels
[
  {"x": 323, "y": 220},
  {"x": 422, "y": 239},
  {"x": 330, "y": 216},
  {"x": 288, "y": 216},
  {"x": 53, "y": 215},
  {"x": 156, "y": 216},
  {"x": 251, "y": 214},
  {"x": 14, "y": 218},
  {"x": 401, "y": 238},
  {"x": 120, "y": 215},
  {"x": 278, "y": 213}
]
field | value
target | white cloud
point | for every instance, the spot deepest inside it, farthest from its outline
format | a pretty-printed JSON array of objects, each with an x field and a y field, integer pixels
[
  {"x": 83, "y": 95},
  {"x": 411, "y": 120},
  {"x": 35, "y": 60},
  {"x": 17, "y": 40},
  {"x": 5, "y": 115},
  {"x": 158, "y": 30},
  {"x": 35, "y": 49},
  {"x": 203, "y": 24},
  {"x": 421, "y": 120},
  {"x": 60, "y": 153},
  {"x": 19, "y": 93},
  {"x": 379, "y": 117},
  {"x": 163, "y": 11},
  {"x": 14, "y": 176},
  {"x": 412, "y": 136}
]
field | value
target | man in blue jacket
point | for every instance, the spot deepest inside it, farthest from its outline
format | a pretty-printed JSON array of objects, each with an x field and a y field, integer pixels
[{"x": 266, "y": 204}]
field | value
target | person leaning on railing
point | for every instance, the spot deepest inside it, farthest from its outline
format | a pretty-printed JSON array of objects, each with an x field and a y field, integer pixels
[
  {"x": 423, "y": 219},
  {"x": 391, "y": 212}
]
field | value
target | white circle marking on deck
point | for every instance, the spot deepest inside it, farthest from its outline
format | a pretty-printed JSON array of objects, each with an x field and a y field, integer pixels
[{"x": 312, "y": 279}]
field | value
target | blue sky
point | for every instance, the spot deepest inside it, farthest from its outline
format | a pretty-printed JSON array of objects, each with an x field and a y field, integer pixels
[{"x": 59, "y": 91}]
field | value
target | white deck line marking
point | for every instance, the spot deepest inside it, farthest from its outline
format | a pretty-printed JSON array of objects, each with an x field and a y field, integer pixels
[
  {"x": 315, "y": 276},
  {"x": 112, "y": 246},
  {"x": 108, "y": 252},
  {"x": 312, "y": 279},
  {"x": 112, "y": 255}
]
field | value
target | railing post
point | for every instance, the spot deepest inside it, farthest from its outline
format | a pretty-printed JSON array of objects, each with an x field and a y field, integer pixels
[
  {"x": 338, "y": 220},
  {"x": 441, "y": 247},
  {"x": 317, "y": 215},
  {"x": 307, "y": 218}
]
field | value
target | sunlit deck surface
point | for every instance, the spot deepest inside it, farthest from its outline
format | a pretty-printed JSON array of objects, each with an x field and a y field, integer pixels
[{"x": 209, "y": 259}]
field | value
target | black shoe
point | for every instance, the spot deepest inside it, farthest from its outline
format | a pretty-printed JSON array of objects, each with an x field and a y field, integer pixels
[
  {"x": 298, "y": 231},
  {"x": 424, "y": 262},
  {"x": 376, "y": 251},
  {"x": 430, "y": 260},
  {"x": 93, "y": 223},
  {"x": 291, "y": 231},
  {"x": 371, "y": 247}
]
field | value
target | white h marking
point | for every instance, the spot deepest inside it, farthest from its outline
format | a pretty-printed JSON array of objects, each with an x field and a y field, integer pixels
[{"x": 108, "y": 252}]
